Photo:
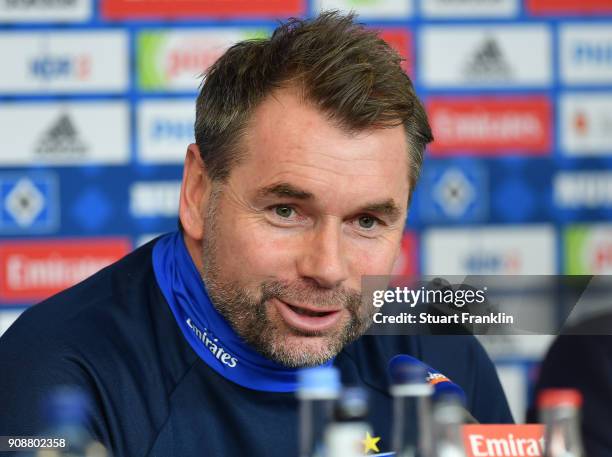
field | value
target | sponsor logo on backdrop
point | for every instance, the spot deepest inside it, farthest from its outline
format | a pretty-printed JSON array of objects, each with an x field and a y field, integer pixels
[
  {"x": 586, "y": 53},
  {"x": 165, "y": 128},
  {"x": 407, "y": 263},
  {"x": 588, "y": 249},
  {"x": 512, "y": 250},
  {"x": 36, "y": 269},
  {"x": 61, "y": 138},
  {"x": 469, "y": 8},
  {"x": 500, "y": 440},
  {"x": 175, "y": 60},
  {"x": 569, "y": 7},
  {"x": 488, "y": 62},
  {"x": 583, "y": 190},
  {"x": 489, "y": 126},
  {"x": 29, "y": 204},
  {"x": 452, "y": 193},
  {"x": 370, "y": 9},
  {"x": 45, "y": 10},
  {"x": 64, "y": 133},
  {"x": 155, "y": 198},
  {"x": 48, "y": 67},
  {"x": 65, "y": 62},
  {"x": 189, "y": 9},
  {"x": 483, "y": 56},
  {"x": 400, "y": 39},
  {"x": 586, "y": 124}
]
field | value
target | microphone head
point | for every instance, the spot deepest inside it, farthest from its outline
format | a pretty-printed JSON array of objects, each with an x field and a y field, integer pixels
[{"x": 405, "y": 369}]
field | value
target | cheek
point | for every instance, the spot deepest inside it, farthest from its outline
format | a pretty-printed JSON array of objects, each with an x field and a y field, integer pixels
[
  {"x": 372, "y": 258},
  {"x": 251, "y": 252}
]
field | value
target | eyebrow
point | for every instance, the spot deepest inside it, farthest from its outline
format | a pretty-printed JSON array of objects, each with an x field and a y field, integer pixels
[
  {"x": 386, "y": 208},
  {"x": 284, "y": 189}
]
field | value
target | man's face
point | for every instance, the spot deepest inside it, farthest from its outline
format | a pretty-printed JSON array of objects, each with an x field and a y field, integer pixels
[{"x": 308, "y": 212}]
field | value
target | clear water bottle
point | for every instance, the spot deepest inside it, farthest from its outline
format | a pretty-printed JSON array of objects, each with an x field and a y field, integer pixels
[
  {"x": 318, "y": 390},
  {"x": 448, "y": 419},
  {"x": 560, "y": 413},
  {"x": 411, "y": 435},
  {"x": 66, "y": 410},
  {"x": 345, "y": 436}
]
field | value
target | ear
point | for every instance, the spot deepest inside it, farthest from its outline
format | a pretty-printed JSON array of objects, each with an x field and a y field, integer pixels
[{"x": 195, "y": 189}]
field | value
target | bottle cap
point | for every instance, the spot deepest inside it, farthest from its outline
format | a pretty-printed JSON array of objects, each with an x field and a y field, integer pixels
[
  {"x": 550, "y": 398},
  {"x": 319, "y": 381},
  {"x": 352, "y": 404}
]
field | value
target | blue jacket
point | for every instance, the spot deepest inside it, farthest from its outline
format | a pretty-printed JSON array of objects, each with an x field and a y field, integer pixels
[{"x": 115, "y": 336}]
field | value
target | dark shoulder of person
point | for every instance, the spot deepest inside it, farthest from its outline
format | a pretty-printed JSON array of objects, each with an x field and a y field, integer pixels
[
  {"x": 581, "y": 358},
  {"x": 99, "y": 336}
]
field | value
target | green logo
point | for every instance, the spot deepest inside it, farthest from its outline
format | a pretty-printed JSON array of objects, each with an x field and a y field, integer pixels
[
  {"x": 168, "y": 60},
  {"x": 575, "y": 247},
  {"x": 150, "y": 45}
]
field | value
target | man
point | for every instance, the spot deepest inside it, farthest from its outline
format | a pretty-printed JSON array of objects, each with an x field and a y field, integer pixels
[{"x": 308, "y": 146}]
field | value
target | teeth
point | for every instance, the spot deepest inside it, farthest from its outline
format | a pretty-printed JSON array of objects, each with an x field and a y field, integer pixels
[{"x": 305, "y": 312}]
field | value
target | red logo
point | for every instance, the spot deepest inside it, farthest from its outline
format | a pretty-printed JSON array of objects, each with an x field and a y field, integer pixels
[
  {"x": 603, "y": 258},
  {"x": 189, "y": 9},
  {"x": 493, "y": 440},
  {"x": 490, "y": 126},
  {"x": 31, "y": 271},
  {"x": 407, "y": 263},
  {"x": 573, "y": 7},
  {"x": 400, "y": 39}
]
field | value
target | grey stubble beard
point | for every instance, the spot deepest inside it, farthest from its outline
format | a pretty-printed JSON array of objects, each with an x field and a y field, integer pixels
[{"x": 248, "y": 317}]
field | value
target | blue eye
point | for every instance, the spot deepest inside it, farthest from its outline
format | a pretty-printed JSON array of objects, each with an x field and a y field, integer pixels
[
  {"x": 367, "y": 222},
  {"x": 284, "y": 211}
]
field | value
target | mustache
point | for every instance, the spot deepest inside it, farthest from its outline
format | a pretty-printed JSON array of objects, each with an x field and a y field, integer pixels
[{"x": 309, "y": 295}]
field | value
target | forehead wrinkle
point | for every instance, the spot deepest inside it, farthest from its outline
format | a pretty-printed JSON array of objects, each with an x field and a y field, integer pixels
[{"x": 320, "y": 168}]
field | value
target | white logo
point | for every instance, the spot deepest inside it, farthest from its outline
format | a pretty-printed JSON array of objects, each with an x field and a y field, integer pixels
[
  {"x": 155, "y": 199},
  {"x": 45, "y": 10},
  {"x": 369, "y": 9},
  {"x": 586, "y": 54},
  {"x": 469, "y": 8},
  {"x": 73, "y": 133},
  {"x": 454, "y": 193},
  {"x": 211, "y": 343},
  {"x": 583, "y": 189},
  {"x": 64, "y": 62},
  {"x": 460, "y": 56},
  {"x": 586, "y": 124},
  {"x": 517, "y": 250},
  {"x": 165, "y": 128},
  {"x": 24, "y": 202}
]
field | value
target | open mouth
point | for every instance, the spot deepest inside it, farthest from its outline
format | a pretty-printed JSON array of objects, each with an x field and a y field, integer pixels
[
  {"x": 307, "y": 319},
  {"x": 307, "y": 312}
]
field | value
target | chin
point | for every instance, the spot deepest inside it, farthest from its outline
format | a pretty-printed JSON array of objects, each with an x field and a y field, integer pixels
[{"x": 296, "y": 348}]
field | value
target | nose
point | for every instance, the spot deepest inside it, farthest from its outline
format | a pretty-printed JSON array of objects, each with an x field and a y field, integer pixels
[{"x": 323, "y": 260}]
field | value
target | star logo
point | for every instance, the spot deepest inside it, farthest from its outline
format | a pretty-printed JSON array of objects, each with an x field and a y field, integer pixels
[{"x": 370, "y": 443}]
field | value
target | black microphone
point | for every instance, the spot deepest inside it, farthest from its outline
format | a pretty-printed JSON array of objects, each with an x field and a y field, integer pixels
[{"x": 400, "y": 365}]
